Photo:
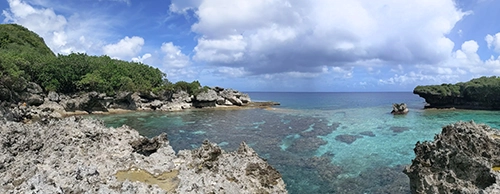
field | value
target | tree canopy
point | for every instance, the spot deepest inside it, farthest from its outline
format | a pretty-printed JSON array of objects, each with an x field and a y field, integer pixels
[
  {"x": 24, "y": 57},
  {"x": 483, "y": 89}
]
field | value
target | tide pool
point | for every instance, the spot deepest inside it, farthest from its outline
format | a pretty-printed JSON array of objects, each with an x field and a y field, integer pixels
[{"x": 320, "y": 142}]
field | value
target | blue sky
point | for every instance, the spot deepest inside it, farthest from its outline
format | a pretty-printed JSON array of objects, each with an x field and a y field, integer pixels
[{"x": 279, "y": 45}]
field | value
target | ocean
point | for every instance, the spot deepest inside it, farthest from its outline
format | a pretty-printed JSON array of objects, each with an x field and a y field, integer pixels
[{"x": 320, "y": 142}]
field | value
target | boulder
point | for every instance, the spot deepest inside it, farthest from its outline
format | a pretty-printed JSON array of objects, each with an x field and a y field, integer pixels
[
  {"x": 464, "y": 158},
  {"x": 35, "y": 100},
  {"x": 34, "y": 88},
  {"x": 207, "y": 96},
  {"x": 53, "y": 96},
  {"x": 245, "y": 98},
  {"x": 399, "y": 109}
]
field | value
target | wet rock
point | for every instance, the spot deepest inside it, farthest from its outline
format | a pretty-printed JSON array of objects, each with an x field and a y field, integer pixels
[
  {"x": 464, "y": 158},
  {"x": 348, "y": 139},
  {"x": 399, "y": 109}
]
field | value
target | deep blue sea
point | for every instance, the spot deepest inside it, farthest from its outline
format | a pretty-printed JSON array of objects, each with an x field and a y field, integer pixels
[{"x": 320, "y": 142}]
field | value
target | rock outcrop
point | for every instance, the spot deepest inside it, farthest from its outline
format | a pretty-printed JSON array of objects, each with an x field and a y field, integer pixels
[
  {"x": 399, "y": 109},
  {"x": 464, "y": 158},
  {"x": 76, "y": 155},
  {"x": 28, "y": 102}
]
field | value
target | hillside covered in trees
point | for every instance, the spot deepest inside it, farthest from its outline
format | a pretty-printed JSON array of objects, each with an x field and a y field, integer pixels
[
  {"x": 24, "y": 58},
  {"x": 479, "y": 93}
]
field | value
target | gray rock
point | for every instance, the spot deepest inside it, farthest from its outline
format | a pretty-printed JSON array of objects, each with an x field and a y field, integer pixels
[
  {"x": 464, "y": 158},
  {"x": 76, "y": 155},
  {"x": 35, "y": 100},
  {"x": 53, "y": 96},
  {"x": 34, "y": 88},
  {"x": 245, "y": 98},
  {"x": 399, "y": 109},
  {"x": 207, "y": 96}
]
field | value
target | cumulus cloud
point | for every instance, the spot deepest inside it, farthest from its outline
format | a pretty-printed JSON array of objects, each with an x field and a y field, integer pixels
[
  {"x": 493, "y": 42},
  {"x": 174, "y": 58},
  {"x": 142, "y": 58},
  {"x": 125, "y": 49},
  {"x": 280, "y": 36}
]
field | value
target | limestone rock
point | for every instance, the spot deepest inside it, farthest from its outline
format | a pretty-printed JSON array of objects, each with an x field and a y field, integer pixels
[
  {"x": 464, "y": 158},
  {"x": 399, "y": 109},
  {"x": 75, "y": 155},
  {"x": 207, "y": 96},
  {"x": 53, "y": 96}
]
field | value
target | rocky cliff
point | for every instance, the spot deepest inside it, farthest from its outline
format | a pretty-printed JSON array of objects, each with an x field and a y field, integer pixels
[
  {"x": 32, "y": 103},
  {"x": 464, "y": 158},
  {"x": 480, "y": 93},
  {"x": 76, "y": 155}
]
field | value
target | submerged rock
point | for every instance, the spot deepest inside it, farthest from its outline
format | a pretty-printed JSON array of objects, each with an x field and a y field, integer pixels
[
  {"x": 464, "y": 158},
  {"x": 346, "y": 138},
  {"x": 76, "y": 155}
]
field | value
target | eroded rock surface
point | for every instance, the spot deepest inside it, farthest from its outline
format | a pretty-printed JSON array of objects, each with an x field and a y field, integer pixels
[
  {"x": 464, "y": 158},
  {"x": 76, "y": 155}
]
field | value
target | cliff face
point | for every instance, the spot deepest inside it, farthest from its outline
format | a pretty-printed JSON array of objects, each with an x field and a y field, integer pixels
[
  {"x": 79, "y": 155},
  {"x": 464, "y": 158},
  {"x": 480, "y": 93}
]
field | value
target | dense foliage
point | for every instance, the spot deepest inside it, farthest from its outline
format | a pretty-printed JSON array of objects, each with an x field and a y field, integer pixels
[
  {"x": 483, "y": 89},
  {"x": 24, "y": 57}
]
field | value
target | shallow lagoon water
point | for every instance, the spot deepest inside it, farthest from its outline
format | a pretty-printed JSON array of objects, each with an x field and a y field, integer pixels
[{"x": 305, "y": 137}]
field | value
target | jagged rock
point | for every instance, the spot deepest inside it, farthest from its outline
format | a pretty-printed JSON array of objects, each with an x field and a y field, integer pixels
[
  {"x": 147, "y": 146},
  {"x": 76, "y": 155},
  {"x": 35, "y": 100},
  {"x": 207, "y": 96},
  {"x": 221, "y": 101},
  {"x": 53, "y": 96},
  {"x": 245, "y": 98},
  {"x": 34, "y": 88},
  {"x": 205, "y": 99},
  {"x": 399, "y": 109},
  {"x": 464, "y": 158},
  {"x": 181, "y": 96}
]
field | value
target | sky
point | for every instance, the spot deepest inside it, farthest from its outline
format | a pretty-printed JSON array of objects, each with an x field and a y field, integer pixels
[{"x": 279, "y": 45}]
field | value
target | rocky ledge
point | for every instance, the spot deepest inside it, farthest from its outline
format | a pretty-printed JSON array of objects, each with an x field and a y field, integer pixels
[
  {"x": 464, "y": 158},
  {"x": 75, "y": 155},
  {"x": 32, "y": 103}
]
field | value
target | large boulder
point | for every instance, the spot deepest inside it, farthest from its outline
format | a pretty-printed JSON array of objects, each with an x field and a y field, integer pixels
[
  {"x": 205, "y": 99},
  {"x": 399, "y": 109},
  {"x": 464, "y": 158}
]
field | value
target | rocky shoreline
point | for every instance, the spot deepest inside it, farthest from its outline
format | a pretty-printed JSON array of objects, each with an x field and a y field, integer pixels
[
  {"x": 464, "y": 158},
  {"x": 75, "y": 155},
  {"x": 32, "y": 103}
]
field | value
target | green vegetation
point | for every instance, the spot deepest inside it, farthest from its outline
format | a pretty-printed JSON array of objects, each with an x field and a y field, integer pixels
[
  {"x": 24, "y": 57},
  {"x": 483, "y": 89}
]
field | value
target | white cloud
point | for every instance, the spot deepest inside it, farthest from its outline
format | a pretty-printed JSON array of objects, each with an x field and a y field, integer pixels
[
  {"x": 63, "y": 34},
  {"x": 276, "y": 36},
  {"x": 220, "y": 50},
  {"x": 125, "y": 49},
  {"x": 142, "y": 58},
  {"x": 493, "y": 42},
  {"x": 174, "y": 58}
]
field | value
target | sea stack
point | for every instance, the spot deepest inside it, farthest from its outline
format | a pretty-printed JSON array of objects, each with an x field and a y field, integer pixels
[{"x": 399, "y": 109}]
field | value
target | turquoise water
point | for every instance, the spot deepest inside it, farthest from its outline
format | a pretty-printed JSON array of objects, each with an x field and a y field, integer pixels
[{"x": 320, "y": 142}]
